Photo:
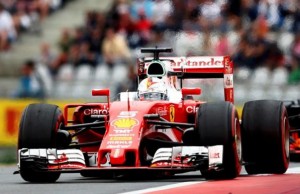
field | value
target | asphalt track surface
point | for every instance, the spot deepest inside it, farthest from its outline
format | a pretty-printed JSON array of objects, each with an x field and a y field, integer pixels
[{"x": 192, "y": 182}]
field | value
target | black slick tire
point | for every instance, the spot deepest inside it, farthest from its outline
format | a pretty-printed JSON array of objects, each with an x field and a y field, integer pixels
[
  {"x": 218, "y": 124},
  {"x": 38, "y": 128},
  {"x": 265, "y": 134}
]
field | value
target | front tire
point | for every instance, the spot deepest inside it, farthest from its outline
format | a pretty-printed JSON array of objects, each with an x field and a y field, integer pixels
[
  {"x": 218, "y": 124},
  {"x": 38, "y": 129},
  {"x": 265, "y": 134}
]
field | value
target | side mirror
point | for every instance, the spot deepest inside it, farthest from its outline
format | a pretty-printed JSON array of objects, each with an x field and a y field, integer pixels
[
  {"x": 190, "y": 91},
  {"x": 100, "y": 92}
]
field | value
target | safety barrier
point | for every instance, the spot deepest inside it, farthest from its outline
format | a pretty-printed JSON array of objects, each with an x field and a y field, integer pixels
[{"x": 10, "y": 115}]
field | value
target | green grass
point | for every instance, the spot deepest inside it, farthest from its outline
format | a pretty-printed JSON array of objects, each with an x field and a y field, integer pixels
[{"x": 8, "y": 155}]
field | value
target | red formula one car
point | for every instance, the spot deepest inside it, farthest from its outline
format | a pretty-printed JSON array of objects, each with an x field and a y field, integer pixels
[
  {"x": 158, "y": 130},
  {"x": 293, "y": 109}
]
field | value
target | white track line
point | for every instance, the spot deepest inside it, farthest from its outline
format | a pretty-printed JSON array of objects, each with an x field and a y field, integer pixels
[
  {"x": 164, "y": 187},
  {"x": 293, "y": 170}
]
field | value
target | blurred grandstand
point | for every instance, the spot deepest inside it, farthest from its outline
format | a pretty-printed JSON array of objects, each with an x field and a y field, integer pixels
[{"x": 78, "y": 45}]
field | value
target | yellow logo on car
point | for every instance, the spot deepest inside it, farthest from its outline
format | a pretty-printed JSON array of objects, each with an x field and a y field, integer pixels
[
  {"x": 124, "y": 123},
  {"x": 120, "y": 138},
  {"x": 172, "y": 113}
]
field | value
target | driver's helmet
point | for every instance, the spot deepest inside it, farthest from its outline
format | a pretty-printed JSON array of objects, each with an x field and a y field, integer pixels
[{"x": 152, "y": 88}]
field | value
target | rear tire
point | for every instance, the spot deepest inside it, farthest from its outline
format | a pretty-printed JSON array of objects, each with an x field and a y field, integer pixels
[
  {"x": 265, "y": 134},
  {"x": 218, "y": 124},
  {"x": 38, "y": 128}
]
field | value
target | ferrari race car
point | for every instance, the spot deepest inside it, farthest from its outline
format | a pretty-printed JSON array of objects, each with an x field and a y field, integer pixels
[
  {"x": 293, "y": 109},
  {"x": 158, "y": 130}
]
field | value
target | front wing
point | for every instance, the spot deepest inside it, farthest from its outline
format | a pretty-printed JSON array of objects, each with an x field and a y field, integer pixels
[{"x": 166, "y": 161}]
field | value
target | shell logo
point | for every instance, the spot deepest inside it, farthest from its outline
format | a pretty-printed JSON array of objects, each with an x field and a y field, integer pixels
[{"x": 124, "y": 123}]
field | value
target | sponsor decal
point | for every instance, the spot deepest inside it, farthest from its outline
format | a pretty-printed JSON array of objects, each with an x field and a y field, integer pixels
[
  {"x": 121, "y": 134},
  {"x": 227, "y": 64},
  {"x": 120, "y": 138},
  {"x": 228, "y": 80},
  {"x": 177, "y": 63},
  {"x": 128, "y": 113},
  {"x": 61, "y": 159},
  {"x": 118, "y": 144},
  {"x": 172, "y": 113},
  {"x": 215, "y": 154},
  {"x": 191, "y": 109},
  {"x": 162, "y": 111},
  {"x": 122, "y": 131},
  {"x": 91, "y": 111},
  {"x": 125, "y": 123},
  {"x": 209, "y": 63},
  {"x": 198, "y": 62}
]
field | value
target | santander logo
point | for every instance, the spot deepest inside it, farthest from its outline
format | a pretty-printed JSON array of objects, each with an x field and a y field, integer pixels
[
  {"x": 198, "y": 62},
  {"x": 194, "y": 62},
  {"x": 211, "y": 63}
]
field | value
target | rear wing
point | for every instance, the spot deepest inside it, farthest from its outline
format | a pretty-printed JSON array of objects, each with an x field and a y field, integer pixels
[{"x": 199, "y": 67}]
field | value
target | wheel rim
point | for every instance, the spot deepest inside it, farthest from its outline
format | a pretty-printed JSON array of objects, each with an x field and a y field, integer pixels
[
  {"x": 286, "y": 137},
  {"x": 237, "y": 139}
]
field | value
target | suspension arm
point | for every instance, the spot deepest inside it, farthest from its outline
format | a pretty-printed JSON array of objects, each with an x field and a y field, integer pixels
[{"x": 95, "y": 124}]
